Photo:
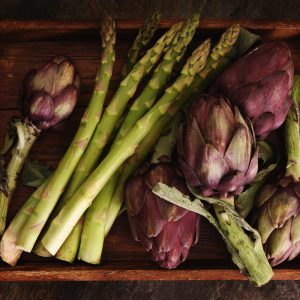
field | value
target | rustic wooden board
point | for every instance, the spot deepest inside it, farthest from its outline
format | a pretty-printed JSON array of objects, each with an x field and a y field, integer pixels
[{"x": 28, "y": 44}]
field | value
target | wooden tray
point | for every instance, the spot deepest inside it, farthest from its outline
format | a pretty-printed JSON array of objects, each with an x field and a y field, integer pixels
[{"x": 28, "y": 44}]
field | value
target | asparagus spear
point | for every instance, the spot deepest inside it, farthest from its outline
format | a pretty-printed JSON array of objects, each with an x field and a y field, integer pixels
[
  {"x": 138, "y": 108},
  {"x": 9, "y": 252},
  {"x": 115, "y": 109},
  {"x": 52, "y": 190},
  {"x": 63, "y": 224},
  {"x": 141, "y": 41},
  {"x": 215, "y": 64},
  {"x": 131, "y": 165}
]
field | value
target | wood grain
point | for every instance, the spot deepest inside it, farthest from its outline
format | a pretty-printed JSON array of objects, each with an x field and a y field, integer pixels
[
  {"x": 135, "y": 270},
  {"x": 28, "y": 44}
]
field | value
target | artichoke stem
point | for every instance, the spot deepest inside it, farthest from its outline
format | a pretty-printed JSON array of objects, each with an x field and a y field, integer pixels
[
  {"x": 27, "y": 134},
  {"x": 292, "y": 138},
  {"x": 253, "y": 256}
]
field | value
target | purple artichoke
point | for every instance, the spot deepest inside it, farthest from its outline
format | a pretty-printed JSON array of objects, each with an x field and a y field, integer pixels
[
  {"x": 50, "y": 93},
  {"x": 166, "y": 230},
  {"x": 279, "y": 221},
  {"x": 216, "y": 148},
  {"x": 259, "y": 84}
]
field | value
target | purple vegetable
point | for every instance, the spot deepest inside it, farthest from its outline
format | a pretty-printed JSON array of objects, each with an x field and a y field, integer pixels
[
  {"x": 166, "y": 230},
  {"x": 50, "y": 93},
  {"x": 259, "y": 83},
  {"x": 216, "y": 148}
]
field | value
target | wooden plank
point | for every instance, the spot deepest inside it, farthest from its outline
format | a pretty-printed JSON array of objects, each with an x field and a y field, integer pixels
[
  {"x": 7, "y": 25},
  {"x": 122, "y": 271}
]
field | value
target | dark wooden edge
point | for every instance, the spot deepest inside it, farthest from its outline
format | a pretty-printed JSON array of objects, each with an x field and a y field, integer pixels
[
  {"x": 120, "y": 272},
  {"x": 9, "y": 25}
]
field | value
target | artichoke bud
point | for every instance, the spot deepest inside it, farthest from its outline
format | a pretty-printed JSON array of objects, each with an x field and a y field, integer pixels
[
  {"x": 166, "y": 230},
  {"x": 278, "y": 221},
  {"x": 216, "y": 148},
  {"x": 50, "y": 93},
  {"x": 259, "y": 83}
]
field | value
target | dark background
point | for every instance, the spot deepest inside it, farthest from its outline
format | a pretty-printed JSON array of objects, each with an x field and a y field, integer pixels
[{"x": 123, "y": 9}]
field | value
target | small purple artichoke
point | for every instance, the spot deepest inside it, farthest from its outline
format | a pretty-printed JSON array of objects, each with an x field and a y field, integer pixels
[
  {"x": 259, "y": 83},
  {"x": 50, "y": 93},
  {"x": 278, "y": 221},
  {"x": 166, "y": 230},
  {"x": 216, "y": 148}
]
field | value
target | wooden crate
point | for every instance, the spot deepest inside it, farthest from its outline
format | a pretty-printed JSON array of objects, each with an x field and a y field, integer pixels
[{"x": 28, "y": 44}]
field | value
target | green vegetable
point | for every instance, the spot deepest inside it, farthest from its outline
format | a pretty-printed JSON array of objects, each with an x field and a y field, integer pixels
[
  {"x": 115, "y": 109},
  {"x": 9, "y": 252},
  {"x": 63, "y": 224},
  {"x": 90, "y": 248},
  {"x": 246, "y": 200},
  {"x": 233, "y": 42},
  {"x": 141, "y": 41},
  {"x": 35, "y": 173},
  {"x": 55, "y": 186},
  {"x": 27, "y": 134}
]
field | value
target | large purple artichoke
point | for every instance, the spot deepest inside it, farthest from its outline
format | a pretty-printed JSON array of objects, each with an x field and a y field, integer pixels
[
  {"x": 259, "y": 84},
  {"x": 166, "y": 230},
  {"x": 216, "y": 148},
  {"x": 279, "y": 221},
  {"x": 50, "y": 93}
]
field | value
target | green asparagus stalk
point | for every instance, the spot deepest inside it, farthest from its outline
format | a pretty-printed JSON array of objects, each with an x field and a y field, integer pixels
[
  {"x": 9, "y": 252},
  {"x": 63, "y": 224},
  {"x": 92, "y": 239},
  {"x": 215, "y": 64},
  {"x": 55, "y": 186},
  {"x": 141, "y": 41},
  {"x": 139, "y": 107},
  {"x": 115, "y": 109},
  {"x": 132, "y": 164},
  {"x": 27, "y": 134},
  {"x": 160, "y": 76},
  {"x": 93, "y": 113}
]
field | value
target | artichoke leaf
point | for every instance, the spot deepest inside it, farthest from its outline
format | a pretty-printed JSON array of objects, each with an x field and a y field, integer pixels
[
  {"x": 35, "y": 173},
  {"x": 244, "y": 203}
]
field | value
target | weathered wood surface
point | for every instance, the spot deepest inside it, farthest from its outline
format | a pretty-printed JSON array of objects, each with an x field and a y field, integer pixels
[{"x": 24, "y": 45}]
